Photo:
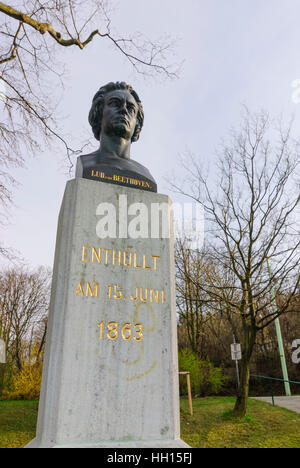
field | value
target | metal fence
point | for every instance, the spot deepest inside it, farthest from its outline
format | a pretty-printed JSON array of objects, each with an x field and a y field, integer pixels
[{"x": 271, "y": 379}]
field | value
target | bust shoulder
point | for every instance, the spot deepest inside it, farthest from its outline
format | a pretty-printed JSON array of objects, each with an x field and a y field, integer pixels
[{"x": 115, "y": 170}]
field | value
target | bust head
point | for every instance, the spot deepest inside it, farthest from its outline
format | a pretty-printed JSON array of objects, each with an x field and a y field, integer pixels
[
  {"x": 117, "y": 109},
  {"x": 116, "y": 117}
]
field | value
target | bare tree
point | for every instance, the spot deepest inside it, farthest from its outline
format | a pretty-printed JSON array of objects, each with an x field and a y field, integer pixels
[
  {"x": 191, "y": 301},
  {"x": 24, "y": 297},
  {"x": 251, "y": 207},
  {"x": 32, "y": 35}
]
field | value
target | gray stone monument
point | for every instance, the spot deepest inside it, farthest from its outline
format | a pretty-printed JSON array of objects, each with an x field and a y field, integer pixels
[{"x": 110, "y": 376}]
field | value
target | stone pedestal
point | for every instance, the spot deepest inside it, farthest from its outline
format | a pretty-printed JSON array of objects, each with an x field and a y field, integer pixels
[{"x": 110, "y": 375}]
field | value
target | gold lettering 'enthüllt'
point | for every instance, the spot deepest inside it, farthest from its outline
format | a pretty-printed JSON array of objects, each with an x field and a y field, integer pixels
[{"x": 119, "y": 258}]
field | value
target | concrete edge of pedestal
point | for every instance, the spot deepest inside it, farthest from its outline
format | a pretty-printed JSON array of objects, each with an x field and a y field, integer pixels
[{"x": 175, "y": 443}]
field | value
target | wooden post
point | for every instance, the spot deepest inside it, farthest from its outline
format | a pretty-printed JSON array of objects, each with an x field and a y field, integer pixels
[{"x": 189, "y": 390}]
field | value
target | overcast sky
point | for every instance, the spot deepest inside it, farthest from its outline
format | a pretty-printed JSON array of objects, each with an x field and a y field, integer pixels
[{"x": 234, "y": 51}]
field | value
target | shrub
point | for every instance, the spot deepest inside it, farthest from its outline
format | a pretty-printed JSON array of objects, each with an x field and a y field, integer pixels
[
  {"x": 211, "y": 379},
  {"x": 205, "y": 378},
  {"x": 27, "y": 382}
]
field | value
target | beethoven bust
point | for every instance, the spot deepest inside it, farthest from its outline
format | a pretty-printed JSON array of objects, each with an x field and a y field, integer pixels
[{"x": 116, "y": 118}]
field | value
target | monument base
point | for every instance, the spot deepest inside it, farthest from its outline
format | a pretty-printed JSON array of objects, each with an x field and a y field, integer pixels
[
  {"x": 110, "y": 374},
  {"x": 173, "y": 443}
]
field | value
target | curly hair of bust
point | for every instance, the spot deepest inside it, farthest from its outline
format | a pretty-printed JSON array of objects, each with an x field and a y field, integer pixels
[{"x": 95, "y": 114}]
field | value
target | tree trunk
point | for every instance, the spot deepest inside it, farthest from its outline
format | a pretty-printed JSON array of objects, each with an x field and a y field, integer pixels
[{"x": 240, "y": 407}]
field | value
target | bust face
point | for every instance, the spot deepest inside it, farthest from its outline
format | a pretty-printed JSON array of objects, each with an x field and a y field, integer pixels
[{"x": 119, "y": 116}]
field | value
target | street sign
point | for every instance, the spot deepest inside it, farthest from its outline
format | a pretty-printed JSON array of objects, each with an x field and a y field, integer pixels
[
  {"x": 236, "y": 352},
  {"x": 2, "y": 352}
]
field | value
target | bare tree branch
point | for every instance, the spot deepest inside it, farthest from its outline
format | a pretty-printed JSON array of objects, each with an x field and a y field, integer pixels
[{"x": 33, "y": 34}]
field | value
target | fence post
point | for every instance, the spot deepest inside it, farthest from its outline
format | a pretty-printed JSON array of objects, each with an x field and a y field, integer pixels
[{"x": 272, "y": 393}]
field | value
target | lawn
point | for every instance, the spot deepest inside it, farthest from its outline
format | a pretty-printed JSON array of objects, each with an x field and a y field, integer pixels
[
  {"x": 264, "y": 426},
  {"x": 17, "y": 423},
  {"x": 211, "y": 426}
]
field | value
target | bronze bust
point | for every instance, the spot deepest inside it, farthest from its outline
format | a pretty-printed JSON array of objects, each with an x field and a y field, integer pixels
[{"x": 116, "y": 117}]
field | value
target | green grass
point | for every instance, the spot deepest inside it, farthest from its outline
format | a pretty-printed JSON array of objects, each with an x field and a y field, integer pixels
[
  {"x": 17, "y": 423},
  {"x": 211, "y": 426}
]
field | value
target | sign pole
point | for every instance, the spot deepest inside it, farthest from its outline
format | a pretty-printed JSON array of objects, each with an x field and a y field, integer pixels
[{"x": 236, "y": 366}]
